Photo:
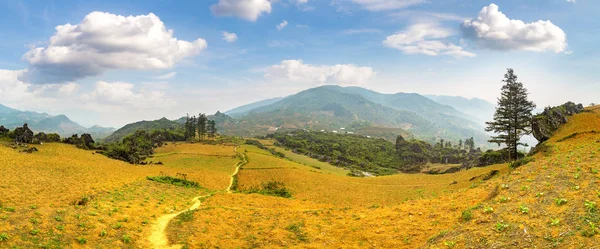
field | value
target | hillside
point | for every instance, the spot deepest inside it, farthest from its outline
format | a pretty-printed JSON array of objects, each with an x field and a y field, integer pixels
[
  {"x": 159, "y": 124},
  {"x": 549, "y": 203},
  {"x": 43, "y": 122},
  {"x": 242, "y": 110},
  {"x": 334, "y": 107}
]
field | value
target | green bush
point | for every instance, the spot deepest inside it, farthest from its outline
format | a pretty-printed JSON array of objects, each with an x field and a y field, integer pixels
[
  {"x": 174, "y": 181},
  {"x": 272, "y": 188}
]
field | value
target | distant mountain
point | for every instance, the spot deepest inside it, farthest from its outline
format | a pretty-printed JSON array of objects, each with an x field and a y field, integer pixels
[
  {"x": 5, "y": 109},
  {"x": 242, "y": 110},
  {"x": 160, "y": 124},
  {"x": 43, "y": 122},
  {"x": 353, "y": 108},
  {"x": 221, "y": 120},
  {"x": 481, "y": 109}
]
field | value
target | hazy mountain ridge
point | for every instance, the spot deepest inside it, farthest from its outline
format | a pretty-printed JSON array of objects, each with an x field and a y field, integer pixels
[
  {"x": 333, "y": 107},
  {"x": 240, "y": 111},
  {"x": 43, "y": 122}
]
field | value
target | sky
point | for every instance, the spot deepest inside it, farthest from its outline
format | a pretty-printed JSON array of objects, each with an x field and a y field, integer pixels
[{"x": 115, "y": 62}]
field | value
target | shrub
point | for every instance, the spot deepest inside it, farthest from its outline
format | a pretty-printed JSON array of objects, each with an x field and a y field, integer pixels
[
  {"x": 81, "y": 240},
  {"x": 501, "y": 227},
  {"x": 560, "y": 201},
  {"x": 4, "y": 237},
  {"x": 272, "y": 188},
  {"x": 174, "y": 181},
  {"x": 467, "y": 215}
]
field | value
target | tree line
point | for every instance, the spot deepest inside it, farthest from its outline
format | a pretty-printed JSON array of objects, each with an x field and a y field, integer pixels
[{"x": 199, "y": 127}]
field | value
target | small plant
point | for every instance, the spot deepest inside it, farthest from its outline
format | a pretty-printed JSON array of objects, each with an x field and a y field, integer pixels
[
  {"x": 591, "y": 231},
  {"x": 34, "y": 221},
  {"x": 103, "y": 233},
  {"x": 449, "y": 244},
  {"x": 34, "y": 232},
  {"x": 539, "y": 194},
  {"x": 60, "y": 228},
  {"x": 33, "y": 207},
  {"x": 524, "y": 188},
  {"x": 126, "y": 239},
  {"x": 4, "y": 237},
  {"x": 560, "y": 201},
  {"x": 501, "y": 227},
  {"x": 467, "y": 215},
  {"x": 524, "y": 209},
  {"x": 58, "y": 218},
  {"x": 488, "y": 210},
  {"x": 504, "y": 199},
  {"x": 590, "y": 206},
  {"x": 554, "y": 222},
  {"x": 576, "y": 187},
  {"x": 10, "y": 209},
  {"x": 576, "y": 175},
  {"x": 118, "y": 225},
  {"x": 81, "y": 240},
  {"x": 504, "y": 186}
]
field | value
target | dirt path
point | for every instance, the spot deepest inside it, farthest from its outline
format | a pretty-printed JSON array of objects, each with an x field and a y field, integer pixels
[
  {"x": 237, "y": 169},
  {"x": 158, "y": 238}
]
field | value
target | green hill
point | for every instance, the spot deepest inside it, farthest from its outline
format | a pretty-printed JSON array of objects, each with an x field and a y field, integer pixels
[
  {"x": 160, "y": 124},
  {"x": 353, "y": 108}
]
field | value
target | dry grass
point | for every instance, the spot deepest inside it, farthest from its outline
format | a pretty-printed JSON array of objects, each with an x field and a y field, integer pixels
[
  {"x": 39, "y": 191},
  {"x": 553, "y": 190}
]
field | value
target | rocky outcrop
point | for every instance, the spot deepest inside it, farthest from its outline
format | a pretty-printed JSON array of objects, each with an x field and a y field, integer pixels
[{"x": 544, "y": 124}]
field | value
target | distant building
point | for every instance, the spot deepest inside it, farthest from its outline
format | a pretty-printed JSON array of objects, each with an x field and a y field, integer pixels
[
  {"x": 350, "y": 132},
  {"x": 335, "y": 132},
  {"x": 342, "y": 128}
]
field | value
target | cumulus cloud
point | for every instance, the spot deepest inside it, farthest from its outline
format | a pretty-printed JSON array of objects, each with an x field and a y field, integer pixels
[
  {"x": 282, "y": 25},
  {"x": 382, "y": 5},
  {"x": 494, "y": 30},
  {"x": 425, "y": 39},
  {"x": 297, "y": 71},
  {"x": 246, "y": 9},
  {"x": 13, "y": 90},
  {"x": 104, "y": 41},
  {"x": 126, "y": 95},
  {"x": 229, "y": 37}
]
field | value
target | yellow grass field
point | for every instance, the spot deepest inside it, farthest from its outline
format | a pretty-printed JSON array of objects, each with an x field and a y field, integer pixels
[
  {"x": 38, "y": 192},
  {"x": 549, "y": 203}
]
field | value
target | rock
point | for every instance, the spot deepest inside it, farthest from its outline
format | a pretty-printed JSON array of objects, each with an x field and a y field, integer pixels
[{"x": 544, "y": 124}]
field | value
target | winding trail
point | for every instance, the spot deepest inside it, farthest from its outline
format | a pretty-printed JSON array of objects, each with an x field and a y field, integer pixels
[{"x": 158, "y": 238}]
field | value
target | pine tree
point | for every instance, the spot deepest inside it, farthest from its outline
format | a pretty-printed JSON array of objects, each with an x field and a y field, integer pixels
[
  {"x": 211, "y": 128},
  {"x": 512, "y": 119},
  {"x": 186, "y": 127},
  {"x": 202, "y": 125},
  {"x": 460, "y": 144}
]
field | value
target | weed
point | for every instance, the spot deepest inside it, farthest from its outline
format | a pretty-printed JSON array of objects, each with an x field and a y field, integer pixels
[
  {"x": 524, "y": 209},
  {"x": 504, "y": 199},
  {"x": 560, "y": 201},
  {"x": 467, "y": 215},
  {"x": 81, "y": 240},
  {"x": 576, "y": 175},
  {"x": 60, "y": 227},
  {"x": 501, "y": 227},
  {"x": 590, "y": 206},
  {"x": 591, "y": 231},
  {"x": 488, "y": 210},
  {"x": 296, "y": 229},
  {"x": 34, "y": 232},
  {"x": 554, "y": 222},
  {"x": 103, "y": 233},
  {"x": 117, "y": 226},
  {"x": 126, "y": 239},
  {"x": 4, "y": 237},
  {"x": 539, "y": 194},
  {"x": 449, "y": 244},
  {"x": 10, "y": 209}
]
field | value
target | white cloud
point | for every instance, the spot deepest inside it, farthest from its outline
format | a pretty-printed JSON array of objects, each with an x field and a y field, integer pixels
[
  {"x": 300, "y": 1},
  {"x": 572, "y": 1},
  {"x": 297, "y": 71},
  {"x": 229, "y": 37},
  {"x": 245, "y": 9},
  {"x": 302, "y": 26},
  {"x": 166, "y": 76},
  {"x": 382, "y": 5},
  {"x": 282, "y": 25},
  {"x": 125, "y": 95},
  {"x": 425, "y": 39},
  {"x": 494, "y": 30},
  {"x": 104, "y": 41},
  {"x": 13, "y": 90}
]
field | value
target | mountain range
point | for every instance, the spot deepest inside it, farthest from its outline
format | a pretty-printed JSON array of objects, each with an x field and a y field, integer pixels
[
  {"x": 43, "y": 122},
  {"x": 354, "y": 108}
]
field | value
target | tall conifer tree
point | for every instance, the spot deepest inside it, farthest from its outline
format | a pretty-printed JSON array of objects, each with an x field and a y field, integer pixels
[{"x": 512, "y": 119}]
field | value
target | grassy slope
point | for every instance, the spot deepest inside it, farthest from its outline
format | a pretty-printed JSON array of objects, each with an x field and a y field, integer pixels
[
  {"x": 39, "y": 189},
  {"x": 567, "y": 170}
]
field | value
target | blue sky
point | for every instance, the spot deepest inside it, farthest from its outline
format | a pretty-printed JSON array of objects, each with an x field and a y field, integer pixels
[{"x": 108, "y": 69}]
